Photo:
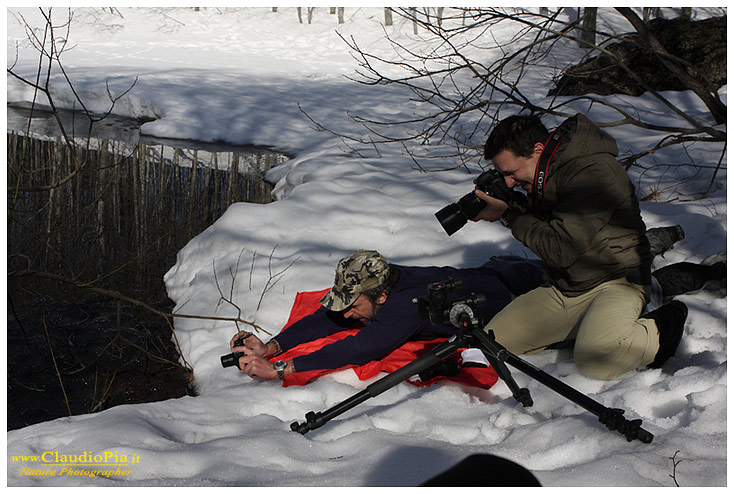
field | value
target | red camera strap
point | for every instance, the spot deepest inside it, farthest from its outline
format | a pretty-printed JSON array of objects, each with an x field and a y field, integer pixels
[{"x": 541, "y": 171}]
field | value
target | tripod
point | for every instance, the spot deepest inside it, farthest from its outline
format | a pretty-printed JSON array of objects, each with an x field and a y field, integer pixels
[{"x": 461, "y": 315}]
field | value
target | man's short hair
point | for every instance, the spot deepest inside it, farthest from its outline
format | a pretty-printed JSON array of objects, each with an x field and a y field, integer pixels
[
  {"x": 518, "y": 133},
  {"x": 384, "y": 287}
]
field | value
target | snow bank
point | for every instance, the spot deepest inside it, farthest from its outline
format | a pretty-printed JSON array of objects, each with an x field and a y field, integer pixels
[{"x": 241, "y": 76}]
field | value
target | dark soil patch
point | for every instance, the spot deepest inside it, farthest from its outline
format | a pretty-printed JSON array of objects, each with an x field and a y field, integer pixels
[{"x": 101, "y": 354}]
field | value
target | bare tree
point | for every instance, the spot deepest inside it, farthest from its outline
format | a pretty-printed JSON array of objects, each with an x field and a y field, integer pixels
[
  {"x": 468, "y": 77},
  {"x": 51, "y": 45},
  {"x": 687, "y": 73}
]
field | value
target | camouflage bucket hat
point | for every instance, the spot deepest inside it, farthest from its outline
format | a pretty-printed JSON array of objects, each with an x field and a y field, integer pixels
[{"x": 360, "y": 271}]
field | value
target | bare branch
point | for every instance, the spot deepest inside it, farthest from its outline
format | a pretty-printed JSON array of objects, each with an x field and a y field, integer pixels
[{"x": 466, "y": 76}]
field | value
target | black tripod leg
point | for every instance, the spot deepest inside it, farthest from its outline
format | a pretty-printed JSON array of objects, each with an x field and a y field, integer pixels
[
  {"x": 613, "y": 418},
  {"x": 522, "y": 395},
  {"x": 444, "y": 350}
]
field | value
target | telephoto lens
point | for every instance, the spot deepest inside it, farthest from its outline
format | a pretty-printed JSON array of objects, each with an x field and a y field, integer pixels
[{"x": 454, "y": 216}]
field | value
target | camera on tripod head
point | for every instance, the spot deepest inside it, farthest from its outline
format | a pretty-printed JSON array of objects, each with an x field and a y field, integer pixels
[
  {"x": 232, "y": 359},
  {"x": 454, "y": 216},
  {"x": 437, "y": 308}
]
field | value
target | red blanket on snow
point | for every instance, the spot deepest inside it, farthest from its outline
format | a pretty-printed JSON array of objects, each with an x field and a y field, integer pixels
[{"x": 307, "y": 303}]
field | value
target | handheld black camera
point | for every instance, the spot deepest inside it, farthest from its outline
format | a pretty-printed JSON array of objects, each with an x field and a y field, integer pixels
[
  {"x": 454, "y": 216},
  {"x": 231, "y": 359}
]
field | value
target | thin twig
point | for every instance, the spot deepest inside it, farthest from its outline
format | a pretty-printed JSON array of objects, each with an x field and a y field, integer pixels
[
  {"x": 675, "y": 465},
  {"x": 56, "y": 367},
  {"x": 273, "y": 279}
]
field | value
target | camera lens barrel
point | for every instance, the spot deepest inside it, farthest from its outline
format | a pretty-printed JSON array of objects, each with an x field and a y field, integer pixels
[
  {"x": 471, "y": 205},
  {"x": 231, "y": 359},
  {"x": 454, "y": 216},
  {"x": 451, "y": 218}
]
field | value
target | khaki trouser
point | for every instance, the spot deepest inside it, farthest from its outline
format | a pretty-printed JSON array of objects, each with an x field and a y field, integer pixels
[{"x": 610, "y": 336}]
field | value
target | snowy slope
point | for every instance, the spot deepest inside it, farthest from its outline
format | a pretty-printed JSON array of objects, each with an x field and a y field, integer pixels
[{"x": 240, "y": 76}]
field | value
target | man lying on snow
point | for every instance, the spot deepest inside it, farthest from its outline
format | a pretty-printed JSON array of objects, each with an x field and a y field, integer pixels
[{"x": 379, "y": 295}]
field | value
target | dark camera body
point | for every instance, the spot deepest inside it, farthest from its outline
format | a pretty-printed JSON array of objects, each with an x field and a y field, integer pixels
[
  {"x": 437, "y": 307},
  {"x": 231, "y": 359},
  {"x": 454, "y": 216}
]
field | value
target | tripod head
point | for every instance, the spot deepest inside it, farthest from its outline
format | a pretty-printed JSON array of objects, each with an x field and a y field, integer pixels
[{"x": 437, "y": 308}]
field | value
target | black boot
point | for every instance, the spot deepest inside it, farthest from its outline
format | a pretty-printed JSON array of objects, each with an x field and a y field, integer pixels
[
  {"x": 670, "y": 319},
  {"x": 663, "y": 238},
  {"x": 687, "y": 277}
]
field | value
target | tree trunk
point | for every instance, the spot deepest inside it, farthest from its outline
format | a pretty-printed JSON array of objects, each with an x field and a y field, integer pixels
[
  {"x": 340, "y": 14},
  {"x": 388, "y": 16},
  {"x": 588, "y": 27},
  {"x": 649, "y": 13}
]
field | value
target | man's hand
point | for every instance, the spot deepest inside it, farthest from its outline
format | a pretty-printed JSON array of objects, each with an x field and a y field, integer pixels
[
  {"x": 493, "y": 210},
  {"x": 250, "y": 346},
  {"x": 256, "y": 366}
]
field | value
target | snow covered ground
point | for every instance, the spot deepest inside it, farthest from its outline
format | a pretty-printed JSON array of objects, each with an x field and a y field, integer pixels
[{"x": 240, "y": 76}]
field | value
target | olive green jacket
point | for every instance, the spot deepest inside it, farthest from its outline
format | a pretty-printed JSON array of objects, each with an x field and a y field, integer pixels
[{"x": 588, "y": 228}]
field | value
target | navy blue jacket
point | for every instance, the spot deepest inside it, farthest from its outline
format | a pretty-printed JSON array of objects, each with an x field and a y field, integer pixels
[{"x": 398, "y": 320}]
